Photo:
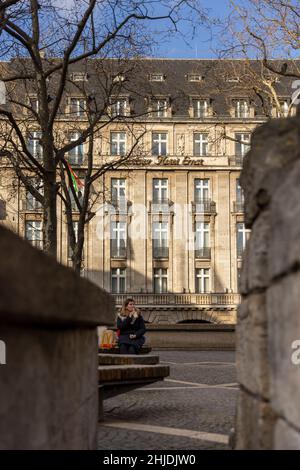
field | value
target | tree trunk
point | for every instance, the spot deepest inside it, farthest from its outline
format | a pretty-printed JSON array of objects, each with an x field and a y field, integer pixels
[{"x": 50, "y": 216}]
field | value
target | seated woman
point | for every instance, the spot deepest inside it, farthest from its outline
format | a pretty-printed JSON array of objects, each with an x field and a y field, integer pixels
[{"x": 131, "y": 326}]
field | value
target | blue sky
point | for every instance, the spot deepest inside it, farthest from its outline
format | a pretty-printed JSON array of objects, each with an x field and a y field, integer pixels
[{"x": 202, "y": 46}]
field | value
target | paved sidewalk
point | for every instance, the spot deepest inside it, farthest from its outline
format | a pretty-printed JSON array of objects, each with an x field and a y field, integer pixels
[{"x": 192, "y": 409}]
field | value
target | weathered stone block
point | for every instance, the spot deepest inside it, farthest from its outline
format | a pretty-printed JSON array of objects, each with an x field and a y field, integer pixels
[
  {"x": 252, "y": 347},
  {"x": 257, "y": 254},
  {"x": 283, "y": 300},
  {"x": 284, "y": 250},
  {"x": 254, "y": 424},
  {"x": 48, "y": 390},
  {"x": 286, "y": 437},
  {"x": 273, "y": 148}
]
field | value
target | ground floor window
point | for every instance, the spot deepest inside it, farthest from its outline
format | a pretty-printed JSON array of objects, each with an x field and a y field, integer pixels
[
  {"x": 202, "y": 280},
  {"x": 160, "y": 280},
  {"x": 118, "y": 280}
]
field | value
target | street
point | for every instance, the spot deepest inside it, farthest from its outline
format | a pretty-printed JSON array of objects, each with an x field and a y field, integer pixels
[{"x": 192, "y": 409}]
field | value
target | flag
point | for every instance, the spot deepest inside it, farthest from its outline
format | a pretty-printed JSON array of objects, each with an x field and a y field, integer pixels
[{"x": 77, "y": 183}]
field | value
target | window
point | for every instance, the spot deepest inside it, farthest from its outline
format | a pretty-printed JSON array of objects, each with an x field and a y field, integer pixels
[
  {"x": 156, "y": 77},
  {"x": 159, "y": 143},
  {"x": 200, "y": 108},
  {"x": 160, "y": 108},
  {"x": 77, "y": 107},
  {"x": 242, "y": 144},
  {"x": 34, "y": 146},
  {"x": 118, "y": 107},
  {"x": 232, "y": 79},
  {"x": 202, "y": 280},
  {"x": 34, "y": 232},
  {"x": 160, "y": 280},
  {"x": 118, "y": 245},
  {"x": 76, "y": 153},
  {"x": 118, "y": 78},
  {"x": 118, "y": 192},
  {"x": 195, "y": 77},
  {"x": 160, "y": 190},
  {"x": 79, "y": 77},
  {"x": 239, "y": 204},
  {"x": 34, "y": 103},
  {"x": 242, "y": 236},
  {"x": 200, "y": 144},
  {"x": 160, "y": 240},
  {"x": 118, "y": 280},
  {"x": 241, "y": 109},
  {"x": 202, "y": 240},
  {"x": 201, "y": 190},
  {"x": 32, "y": 203},
  {"x": 117, "y": 143},
  {"x": 284, "y": 110}
]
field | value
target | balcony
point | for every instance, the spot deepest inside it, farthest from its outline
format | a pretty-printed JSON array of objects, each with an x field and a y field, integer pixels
[
  {"x": 160, "y": 205},
  {"x": 118, "y": 251},
  {"x": 204, "y": 206},
  {"x": 31, "y": 205},
  {"x": 238, "y": 206},
  {"x": 176, "y": 299},
  {"x": 36, "y": 243},
  {"x": 2, "y": 210},
  {"x": 240, "y": 251},
  {"x": 160, "y": 252},
  {"x": 121, "y": 204},
  {"x": 75, "y": 159},
  {"x": 237, "y": 160},
  {"x": 203, "y": 253}
]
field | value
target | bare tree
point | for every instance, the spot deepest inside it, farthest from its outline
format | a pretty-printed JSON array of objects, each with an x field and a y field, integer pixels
[
  {"x": 266, "y": 35},
  {"x": 43, "y": 42}
]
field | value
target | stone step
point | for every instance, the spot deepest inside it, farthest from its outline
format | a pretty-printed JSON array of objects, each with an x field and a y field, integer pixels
[
  {"x": 116, "y": 350},
  {"x": 122, "y": 359},
  {"x": 131, "y": 373}
]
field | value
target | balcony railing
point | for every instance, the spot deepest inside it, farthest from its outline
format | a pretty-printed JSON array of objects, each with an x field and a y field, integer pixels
[
  {"x": 204, "y": 206},
  {"x": 120, "y": 204},
  {"x": 203, "y": 253},
  {"x": 180, "y": 299},
  {"x": 240, "y": 251},
  {"x": 160, "y": 205},
  {"x": 118, "y": 251},
  {"x": 237, "y": 160},
  {"x": 160, "y": 252},
  {"x": 75, "y": 159},
  {"x": 36, "y": 243},
  {"x": 2, "y": 209},
  {"x": 238, "y": 206}
]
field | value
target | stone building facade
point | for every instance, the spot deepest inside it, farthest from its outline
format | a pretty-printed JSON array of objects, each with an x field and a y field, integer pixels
[{"x": 169, "y": 227}]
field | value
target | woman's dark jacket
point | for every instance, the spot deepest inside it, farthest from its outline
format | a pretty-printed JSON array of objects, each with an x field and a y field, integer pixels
[{"x": 132, "y": 326}]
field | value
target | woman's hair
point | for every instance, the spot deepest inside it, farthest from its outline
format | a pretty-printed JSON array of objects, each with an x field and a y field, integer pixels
[{"x": 124, "y": 311}]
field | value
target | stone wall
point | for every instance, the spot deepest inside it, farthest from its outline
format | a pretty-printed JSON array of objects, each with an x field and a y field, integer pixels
[
  {"x": 198, "y": 337},
  {"x": 48, "y": 323},
  {"x": 268, "y": 415}
]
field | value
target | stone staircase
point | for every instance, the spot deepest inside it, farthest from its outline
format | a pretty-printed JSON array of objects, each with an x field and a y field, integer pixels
[{"x": 118, "y": 373}]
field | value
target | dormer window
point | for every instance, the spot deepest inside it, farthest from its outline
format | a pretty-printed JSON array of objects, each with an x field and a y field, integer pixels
[
  {"x": 34, "y": 103},
  {"x": 119, "y": 78},
  {"x": 241, "y": 108},
  {"x": 79, "y": 76},
  {"x": 200, "y": 107},
  {"x": 77, "y": 107},
  {"x": 160, "y": 108},
  {"x": 118, "y": 107},
  {"x": 195, "y": 77},
  {"x": 233, "y": 79},
  {"x": 157, "y": 77}
]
